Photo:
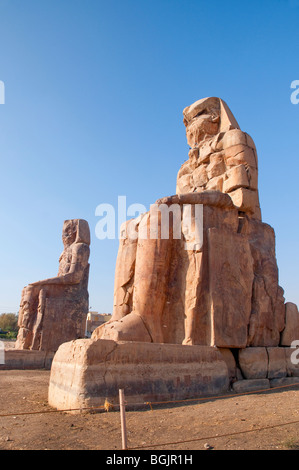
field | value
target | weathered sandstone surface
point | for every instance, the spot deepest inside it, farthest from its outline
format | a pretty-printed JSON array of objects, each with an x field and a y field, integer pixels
[
  {"x": 223, "y": 291},
  {"x": 198, "y": 301},
  {"x": 85, "y": 373},
  {"x": 53, "y": 311}
]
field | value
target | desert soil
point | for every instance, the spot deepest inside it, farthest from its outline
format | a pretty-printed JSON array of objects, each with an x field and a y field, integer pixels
[{"x": 213, "y": 422}]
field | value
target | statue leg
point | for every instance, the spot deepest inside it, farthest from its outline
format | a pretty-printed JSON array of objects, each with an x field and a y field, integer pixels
[
  {"x": 150, "y": 287},
  {"x": 26, "y": 318},
  {"x": 39, "y": 320}
]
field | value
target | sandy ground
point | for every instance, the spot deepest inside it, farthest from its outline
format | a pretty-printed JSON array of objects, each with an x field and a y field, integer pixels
[{"x": 218, "y": 424}]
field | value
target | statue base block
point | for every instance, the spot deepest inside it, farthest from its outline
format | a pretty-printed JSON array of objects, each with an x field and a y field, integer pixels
[
  {"x": 20, "y": 359},
  {"x": 86, "y": 372}
]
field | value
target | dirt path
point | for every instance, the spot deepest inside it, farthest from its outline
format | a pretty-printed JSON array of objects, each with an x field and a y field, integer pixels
[{"x": 26, "y": 391}]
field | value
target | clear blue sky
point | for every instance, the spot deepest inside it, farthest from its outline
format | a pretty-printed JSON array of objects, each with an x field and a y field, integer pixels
[{"x": 94, "y": 97}]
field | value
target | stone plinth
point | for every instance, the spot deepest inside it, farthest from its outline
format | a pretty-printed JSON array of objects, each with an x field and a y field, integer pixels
[
  {"x": 85, "y": 373},
  {"x": 16, "y": 359},
  {"x": 270, "y": 363},
  {"x": 254, "y": 363}
]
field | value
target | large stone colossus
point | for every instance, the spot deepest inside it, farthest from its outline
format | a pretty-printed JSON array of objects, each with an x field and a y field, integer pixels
[
  {"x": 225, "y": 292},
  {"x": 53, "y": 311},
  {"x": 198, "y": 307}
]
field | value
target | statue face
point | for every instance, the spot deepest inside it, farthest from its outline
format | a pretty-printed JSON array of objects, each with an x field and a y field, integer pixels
[
  {"x": 202, "y": 120},
  {"x": 200, "y": 127},
  {"x": 69, "y": 232}
]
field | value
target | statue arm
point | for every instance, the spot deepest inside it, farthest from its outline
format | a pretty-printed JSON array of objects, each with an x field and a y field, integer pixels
[{"x": 213, "y": 198}]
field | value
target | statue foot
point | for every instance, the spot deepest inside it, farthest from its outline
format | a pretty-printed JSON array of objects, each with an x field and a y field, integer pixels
[
  {"x": 188, "y": 342},
  {"x": 129, "y": 328}
]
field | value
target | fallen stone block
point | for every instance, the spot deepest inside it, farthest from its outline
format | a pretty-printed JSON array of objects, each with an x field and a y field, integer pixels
[{"x": 251, "y": 385}]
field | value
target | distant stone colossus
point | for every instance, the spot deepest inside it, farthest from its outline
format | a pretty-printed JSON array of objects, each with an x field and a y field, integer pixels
[{"x": 53, "y": 311}]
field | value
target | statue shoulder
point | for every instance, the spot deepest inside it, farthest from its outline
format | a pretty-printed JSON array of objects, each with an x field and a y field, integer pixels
[
  {"x": 234, "y": 137},
  {"x": 81, "y": 250}
]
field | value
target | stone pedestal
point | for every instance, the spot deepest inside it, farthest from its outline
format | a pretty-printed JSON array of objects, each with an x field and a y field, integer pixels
[
  {"x": 20, "y": 359},
  {"x": 85, "y": 373}
]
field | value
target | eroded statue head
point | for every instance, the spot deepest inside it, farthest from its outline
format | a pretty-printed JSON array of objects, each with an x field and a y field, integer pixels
[
  {"x": 206, "y": 118},
  {"x": 75, "y": 231}
]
